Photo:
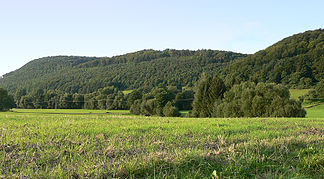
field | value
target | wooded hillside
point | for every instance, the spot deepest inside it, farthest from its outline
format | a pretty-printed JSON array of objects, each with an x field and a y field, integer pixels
[
  {"x": 296, "y": 61},
  {"x": 146, "y": 68}
]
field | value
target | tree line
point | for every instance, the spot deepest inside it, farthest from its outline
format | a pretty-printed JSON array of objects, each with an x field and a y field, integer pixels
[
  {"x": 248, "y": 99},
  {"x": 213, "y": 98},
  {"x": 108, "y": 98},
  {"x": 210, "y": 97}
]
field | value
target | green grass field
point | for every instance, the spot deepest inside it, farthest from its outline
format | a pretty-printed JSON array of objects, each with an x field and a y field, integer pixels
[
  {"x": 315, "y": 112},
  {"x": 295, "y": 93},
  {"x": 127, "y": 92},
  {"x": 37, "y": 144}
]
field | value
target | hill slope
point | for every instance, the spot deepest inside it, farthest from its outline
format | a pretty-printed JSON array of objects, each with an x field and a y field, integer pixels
[
  {"x": 40, "y": 70},
  {"x": 144, "y": 68},
  {"x": 296, "y": 61}
]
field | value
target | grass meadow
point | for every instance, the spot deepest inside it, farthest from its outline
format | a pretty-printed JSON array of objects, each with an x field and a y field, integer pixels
[
  {"x": 295, "y": 93},
  {"x": 69, "y": 144}
]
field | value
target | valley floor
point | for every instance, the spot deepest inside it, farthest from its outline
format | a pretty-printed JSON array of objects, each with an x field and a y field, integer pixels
[{"x": 38, "y": 144}]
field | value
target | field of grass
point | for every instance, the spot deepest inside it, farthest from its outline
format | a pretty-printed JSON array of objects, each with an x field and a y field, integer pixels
[
  {"x": 315, "y": 112},
  {"x": 295, "y": 93},
  {"x": 127, "y": 92},
  {"x": 184, "y": 113},
  {"x": 42, "y": 145}
]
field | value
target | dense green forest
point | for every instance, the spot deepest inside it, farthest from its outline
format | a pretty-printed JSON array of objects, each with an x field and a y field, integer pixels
[
  {"x": 147, "y": 68},
  {"x": 296, "y": 61}
]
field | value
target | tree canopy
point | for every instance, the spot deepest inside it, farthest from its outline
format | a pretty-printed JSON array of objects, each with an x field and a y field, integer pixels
[
  {"x": 295, "y": 61},
  {"x": 208, "y": 92},
  {"x": 6, "y": 101},
  {"x": 213, "y": 99},
  {"x": 258, "y": 100},
  {"x": 148, "y": 68}
]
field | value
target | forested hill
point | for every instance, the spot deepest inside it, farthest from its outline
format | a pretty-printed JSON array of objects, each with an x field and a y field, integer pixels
[
  {"x": 146, "y": 68},
  {"x": 296, "y": 61},
  {"x": 40, "y": 70}
]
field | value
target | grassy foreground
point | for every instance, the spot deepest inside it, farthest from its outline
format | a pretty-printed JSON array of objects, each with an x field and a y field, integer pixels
[{"x": 37, "y": 145}]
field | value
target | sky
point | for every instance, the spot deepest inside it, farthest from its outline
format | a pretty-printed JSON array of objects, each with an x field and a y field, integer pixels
[{"x": 37, "y": 28}]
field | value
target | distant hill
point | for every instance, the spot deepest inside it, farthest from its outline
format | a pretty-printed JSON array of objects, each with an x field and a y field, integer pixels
[
  {"x": 146, "y": 68},
  {"x": 296, "y": 61},
  {"x": 40, "y": 71}
]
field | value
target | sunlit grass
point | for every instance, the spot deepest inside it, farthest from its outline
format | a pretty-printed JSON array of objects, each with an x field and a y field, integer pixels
[
  {"x": 36, "y": 145},
  {"x": 295, "y": 93},
  {"x": 316, "y": 112},
  {"x": 127, "y": 92}
]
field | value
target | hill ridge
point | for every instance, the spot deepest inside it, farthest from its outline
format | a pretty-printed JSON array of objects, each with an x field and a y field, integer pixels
[
  {"x": 87, "y": 74},
  {"x": 296, "y": 61}
]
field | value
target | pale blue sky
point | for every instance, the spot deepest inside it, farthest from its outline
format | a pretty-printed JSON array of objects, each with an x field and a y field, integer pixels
[{"x": 30, "y": 29}]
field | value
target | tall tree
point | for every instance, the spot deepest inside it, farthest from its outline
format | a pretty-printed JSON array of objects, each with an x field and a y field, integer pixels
[
  {"x": 209, "y": 91},
  {"x": 19, "y": 93},
  {"x": 6, "y": 101}
]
